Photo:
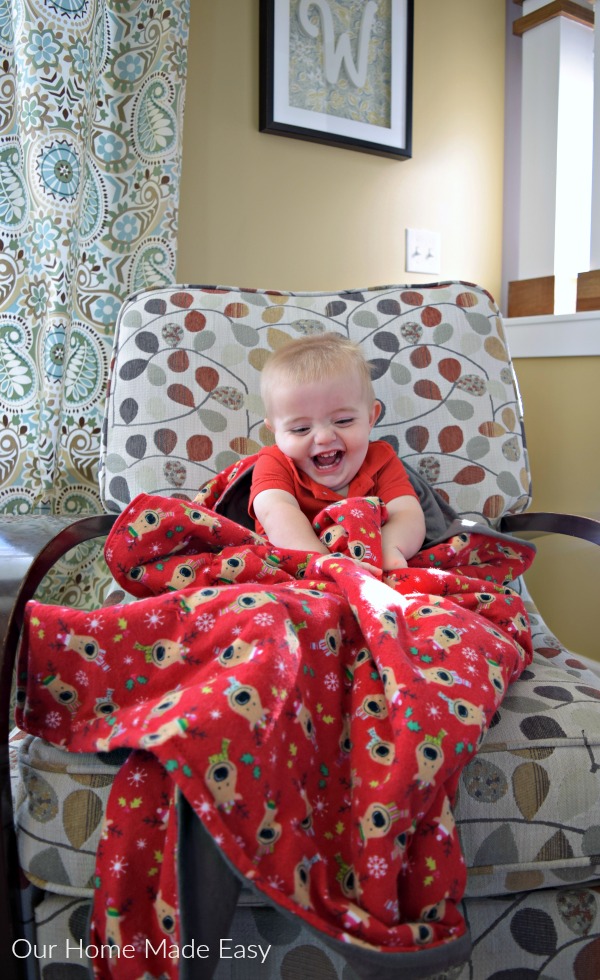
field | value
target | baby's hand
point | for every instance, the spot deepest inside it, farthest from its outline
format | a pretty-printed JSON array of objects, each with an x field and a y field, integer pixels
[{"x": 370, "y": 568}]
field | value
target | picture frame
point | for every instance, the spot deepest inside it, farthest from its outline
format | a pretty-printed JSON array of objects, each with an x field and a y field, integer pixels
[{"x": 338, "y": 72}]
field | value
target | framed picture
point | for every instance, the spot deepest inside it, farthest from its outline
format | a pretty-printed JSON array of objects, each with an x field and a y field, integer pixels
[{"x": 338, "y": 72}]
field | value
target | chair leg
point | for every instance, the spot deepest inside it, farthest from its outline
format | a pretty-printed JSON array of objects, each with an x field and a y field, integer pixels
[
  {"x": 13, "y": 967},
  {"x": 206, "y": 911}
]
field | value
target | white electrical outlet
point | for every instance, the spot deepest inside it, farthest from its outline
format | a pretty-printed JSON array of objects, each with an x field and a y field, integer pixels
[{"x": 423, "y": 251}]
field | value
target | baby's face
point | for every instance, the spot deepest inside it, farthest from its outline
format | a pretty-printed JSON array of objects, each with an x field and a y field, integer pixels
[{"x": 324, "y": 427}]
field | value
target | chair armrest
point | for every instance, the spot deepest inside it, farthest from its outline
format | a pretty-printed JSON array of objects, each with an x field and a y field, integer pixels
[
  {"x": 547, "y": 523},
  {"x": 29, "y": 547}
]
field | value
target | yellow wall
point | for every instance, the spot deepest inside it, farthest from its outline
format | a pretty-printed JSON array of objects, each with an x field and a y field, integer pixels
[
  {"x": 561, "y": 400},
  {"x": 270, "y": 211}
]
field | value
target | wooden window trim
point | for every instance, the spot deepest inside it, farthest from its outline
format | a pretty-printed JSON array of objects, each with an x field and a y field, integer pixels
[{"x": 558, "y": 8}]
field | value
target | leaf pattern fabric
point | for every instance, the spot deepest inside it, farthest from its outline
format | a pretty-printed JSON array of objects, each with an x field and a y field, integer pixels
[{"x": 190, "y": 360}]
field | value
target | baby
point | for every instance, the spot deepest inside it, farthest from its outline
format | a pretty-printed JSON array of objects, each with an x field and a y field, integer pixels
[{"x": 321, "y": 407}]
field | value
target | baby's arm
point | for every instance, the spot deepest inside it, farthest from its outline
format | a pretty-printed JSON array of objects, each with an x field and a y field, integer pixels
[
  {"x": 403, "y": 533},
  {"x": 287, "y": 527},
  {"x": 284, "y": 523}
]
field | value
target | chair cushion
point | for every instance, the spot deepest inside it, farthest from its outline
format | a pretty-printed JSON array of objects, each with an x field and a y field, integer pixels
[
  {"x": 60, "y": 800},
  {"x": 529, "y": 802},
  {"x": 528, "y": 807},
  {"x": 184, "y": 398}
]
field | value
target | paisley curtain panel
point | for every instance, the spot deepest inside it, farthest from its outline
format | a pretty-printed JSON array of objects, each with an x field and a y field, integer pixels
[{"x": 91, "y": 112}]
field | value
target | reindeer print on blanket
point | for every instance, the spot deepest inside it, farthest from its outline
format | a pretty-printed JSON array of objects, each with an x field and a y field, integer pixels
[{"x": 315, "y": 717}]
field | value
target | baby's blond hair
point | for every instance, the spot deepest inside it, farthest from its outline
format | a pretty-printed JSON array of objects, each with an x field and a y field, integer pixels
[{"x": 318, "y": 357}]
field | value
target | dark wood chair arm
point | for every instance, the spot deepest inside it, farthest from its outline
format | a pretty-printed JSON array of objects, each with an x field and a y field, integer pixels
[
  {"x": 29, "y": 547},
  {"x": 548, "y": 523}
]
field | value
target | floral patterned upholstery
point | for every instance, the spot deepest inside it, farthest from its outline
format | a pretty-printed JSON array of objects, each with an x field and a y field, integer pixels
[{"x": 183, "y": 404}]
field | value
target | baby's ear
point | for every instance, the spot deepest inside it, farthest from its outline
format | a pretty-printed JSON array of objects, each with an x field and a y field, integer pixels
[
  {"x": 269, "y": 426},
  {"x": 375, "y": 412}
]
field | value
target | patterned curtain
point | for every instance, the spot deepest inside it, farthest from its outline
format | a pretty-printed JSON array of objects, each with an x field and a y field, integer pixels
[{"x": 91, "y": 112}]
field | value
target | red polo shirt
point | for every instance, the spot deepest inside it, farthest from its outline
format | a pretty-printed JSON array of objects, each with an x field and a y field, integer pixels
[{"x": 381, "y": 475}]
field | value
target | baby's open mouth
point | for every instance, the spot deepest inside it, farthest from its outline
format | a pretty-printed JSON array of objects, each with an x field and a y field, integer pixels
[{"x": 325, "y": 461}]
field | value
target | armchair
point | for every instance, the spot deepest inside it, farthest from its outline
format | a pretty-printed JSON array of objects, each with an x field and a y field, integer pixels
[{"x": 182, "y": 405}]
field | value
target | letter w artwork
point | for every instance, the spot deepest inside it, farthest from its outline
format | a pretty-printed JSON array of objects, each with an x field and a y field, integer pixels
[
  {"x": 327, "y": 68},
  {"x": 334, "y": 55}
]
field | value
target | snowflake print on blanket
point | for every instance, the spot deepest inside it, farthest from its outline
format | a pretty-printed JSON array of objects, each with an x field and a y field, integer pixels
[{"x": 316, "y": 718}]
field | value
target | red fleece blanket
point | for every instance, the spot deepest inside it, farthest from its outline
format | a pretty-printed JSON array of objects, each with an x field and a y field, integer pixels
[{"x": 316, "y": 718}]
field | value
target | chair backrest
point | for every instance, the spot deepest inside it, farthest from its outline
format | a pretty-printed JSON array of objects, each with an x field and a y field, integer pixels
[{"x": 184, "y": 402}]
